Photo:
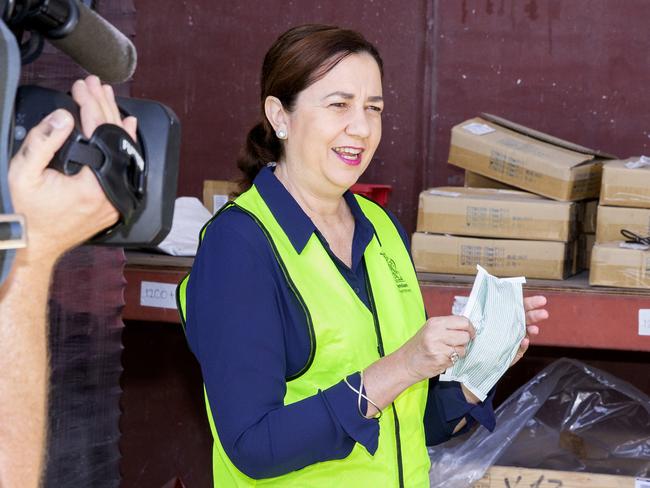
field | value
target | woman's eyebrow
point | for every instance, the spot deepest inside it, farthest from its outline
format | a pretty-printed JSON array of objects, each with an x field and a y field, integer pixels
[
  {"x": 344, "y": 95},
  {"x": 350, "y": 96}
]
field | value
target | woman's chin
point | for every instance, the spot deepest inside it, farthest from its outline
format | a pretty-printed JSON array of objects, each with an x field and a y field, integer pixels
[
  {"x": 343, "y": 182},
  {"x": 345, "y": 177}
]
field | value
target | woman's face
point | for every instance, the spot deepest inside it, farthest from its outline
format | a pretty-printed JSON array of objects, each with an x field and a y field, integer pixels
[{"x": 335, "y": 126}]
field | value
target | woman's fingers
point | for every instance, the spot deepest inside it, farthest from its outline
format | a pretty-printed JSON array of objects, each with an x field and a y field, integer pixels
[
  {"x": 531, "y": 303},
  {"x": 534, "y": 311},
  {"x": 459, "y": 323},
  {"x": 532, "y": 330},
  {"x": 536, "y": 316},
  {"x": 457, "y": 338},
  {"x": 523, "y": 347},
  {"x": 460, "y": 350}
]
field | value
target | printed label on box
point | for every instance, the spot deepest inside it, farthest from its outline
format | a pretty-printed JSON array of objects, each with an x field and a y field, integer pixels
[
  {"x": 218, "y": 201},
  {"x": 155, "y": 294},
  {"x": 644, "y": 321},
  {"x": 478, "y": 129}
]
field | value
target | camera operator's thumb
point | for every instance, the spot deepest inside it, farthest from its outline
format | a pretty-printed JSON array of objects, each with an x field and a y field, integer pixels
[
  {"x": 40, "y": 145},
  {"x": 61, "y": 211}
]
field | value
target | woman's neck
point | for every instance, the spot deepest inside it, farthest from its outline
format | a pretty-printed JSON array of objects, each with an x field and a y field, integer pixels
[{"x": 316, "y": 203}]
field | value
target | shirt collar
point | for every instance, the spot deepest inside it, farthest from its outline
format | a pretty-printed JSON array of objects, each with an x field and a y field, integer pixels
[{"x": 297, "y": 224}]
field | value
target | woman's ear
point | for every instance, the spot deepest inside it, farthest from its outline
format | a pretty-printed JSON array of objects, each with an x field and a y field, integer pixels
[{"x": 275, "y": 114}]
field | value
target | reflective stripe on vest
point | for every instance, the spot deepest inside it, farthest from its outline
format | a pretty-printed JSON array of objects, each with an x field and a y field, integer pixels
[{"x": 346, "y": 337}]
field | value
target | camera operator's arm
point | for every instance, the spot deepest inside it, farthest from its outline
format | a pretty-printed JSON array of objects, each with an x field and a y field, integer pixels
[{"x": 61, "y": 212}]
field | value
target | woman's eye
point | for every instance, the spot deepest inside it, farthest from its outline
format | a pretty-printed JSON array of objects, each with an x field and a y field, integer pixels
[
  {"x": 375, "y": 108},
  {"x": 338, "y": 104}
]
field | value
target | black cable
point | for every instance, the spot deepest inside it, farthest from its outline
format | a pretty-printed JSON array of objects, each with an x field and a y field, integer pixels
[{"x": 633, "y": 238}]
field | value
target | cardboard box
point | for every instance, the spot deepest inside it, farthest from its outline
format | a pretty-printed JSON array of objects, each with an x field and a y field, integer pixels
[
  {"x": 475, "y": 180},
  {"x": 527, "y": 159},
  {"x": 612, "y": 265},
  {"x": 489, "y": 212},
  {"x": 585, "y": 246},
  {"x": 502, "y": 257},
  {"x": 625, "y": 187},
  {"x": 612, "y": 219},
  {"x": 587, "y": 223},
  {"x": 511, "y": 476},
  {"x": 216, "y": 193}
]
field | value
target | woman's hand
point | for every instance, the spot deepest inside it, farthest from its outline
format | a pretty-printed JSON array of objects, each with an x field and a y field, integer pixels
[
  {"x": 535, "y": 313},
  {"x": 425, "y": 355},
  {"x": 430, "y": 351}
]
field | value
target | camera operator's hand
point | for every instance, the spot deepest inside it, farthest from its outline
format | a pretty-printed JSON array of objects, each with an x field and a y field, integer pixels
[
  {"x": 97, "y": 106},
  {"x": 63, "y": 211}
]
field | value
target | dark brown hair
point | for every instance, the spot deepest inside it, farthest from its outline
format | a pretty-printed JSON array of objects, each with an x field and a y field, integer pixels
[{"x": 298, "y": 58}]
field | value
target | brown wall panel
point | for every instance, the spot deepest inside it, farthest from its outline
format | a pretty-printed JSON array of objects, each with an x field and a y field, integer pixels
[
  {"x": 203, "y": 58},
  {"x": 576, "y": 69}
]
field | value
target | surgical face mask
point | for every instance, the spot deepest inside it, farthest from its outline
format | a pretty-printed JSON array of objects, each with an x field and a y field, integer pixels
[{"x": 496, "y": 309}]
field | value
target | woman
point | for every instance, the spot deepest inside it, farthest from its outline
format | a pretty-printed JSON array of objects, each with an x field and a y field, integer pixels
[{"x": 303, "y": 307}]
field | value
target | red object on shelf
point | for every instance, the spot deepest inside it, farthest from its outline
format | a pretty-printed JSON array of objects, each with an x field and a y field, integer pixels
[{"x": 378, "y": 193}]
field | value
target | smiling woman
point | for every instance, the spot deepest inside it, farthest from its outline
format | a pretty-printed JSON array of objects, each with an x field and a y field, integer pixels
[
  {"x": 303, "y": 307},
  {"x": 300, "y": 59},
  {"x": 333, "y": 127}
]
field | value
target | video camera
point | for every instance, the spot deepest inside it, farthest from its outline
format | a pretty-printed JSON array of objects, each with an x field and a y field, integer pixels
[{"x": 139, "y": 178}]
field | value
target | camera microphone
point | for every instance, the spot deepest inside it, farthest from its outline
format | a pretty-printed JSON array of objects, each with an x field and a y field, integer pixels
[
  {"x": 98, "y": 47},
  {"x": 78, "y": 31}
]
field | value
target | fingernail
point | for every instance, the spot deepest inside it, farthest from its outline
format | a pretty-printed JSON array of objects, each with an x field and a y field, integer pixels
[{"x": 60, "y": 119}]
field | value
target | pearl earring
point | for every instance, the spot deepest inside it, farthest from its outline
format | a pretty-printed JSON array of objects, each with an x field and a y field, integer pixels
[{"x": 281, "y": 133}]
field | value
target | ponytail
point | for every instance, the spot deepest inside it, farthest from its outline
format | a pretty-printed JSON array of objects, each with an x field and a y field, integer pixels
[{"x": 261, "y": 147}]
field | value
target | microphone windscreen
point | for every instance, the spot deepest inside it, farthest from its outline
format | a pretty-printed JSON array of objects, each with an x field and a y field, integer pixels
[{"x": 99, "y": 48}]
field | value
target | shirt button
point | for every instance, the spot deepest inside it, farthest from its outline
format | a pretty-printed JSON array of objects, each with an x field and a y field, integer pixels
[{"x": 356, "y": 290}]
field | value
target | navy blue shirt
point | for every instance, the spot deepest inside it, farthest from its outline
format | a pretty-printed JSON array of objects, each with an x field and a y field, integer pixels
[{"x": 249, "y": 333}]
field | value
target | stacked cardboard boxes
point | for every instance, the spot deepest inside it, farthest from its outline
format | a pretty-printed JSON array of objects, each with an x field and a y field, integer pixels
[
  {"x": 509, "y": 232},
  {"x": 216, "y": 193},
  {"x": 527, "y": 159},
  {"x": 624, "y": 204},
  {"x": 475, "y": 180},
  {"x": 586, "y": 232}
]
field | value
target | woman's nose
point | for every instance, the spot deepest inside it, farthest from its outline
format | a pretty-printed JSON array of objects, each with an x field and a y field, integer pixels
[{"x": 359, "y": 125}]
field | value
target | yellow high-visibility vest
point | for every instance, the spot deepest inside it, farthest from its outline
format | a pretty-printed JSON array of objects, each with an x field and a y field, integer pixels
[{"x": 345, "y": 337}]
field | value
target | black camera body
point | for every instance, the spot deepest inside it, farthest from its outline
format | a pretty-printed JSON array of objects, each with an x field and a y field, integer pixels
[
  {"x": 159, "y": 140},
  {"x": 138, "y": 177}
]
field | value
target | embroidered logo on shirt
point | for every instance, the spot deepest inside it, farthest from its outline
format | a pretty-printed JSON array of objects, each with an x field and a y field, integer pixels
[{"x": 401, "y": 284}]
